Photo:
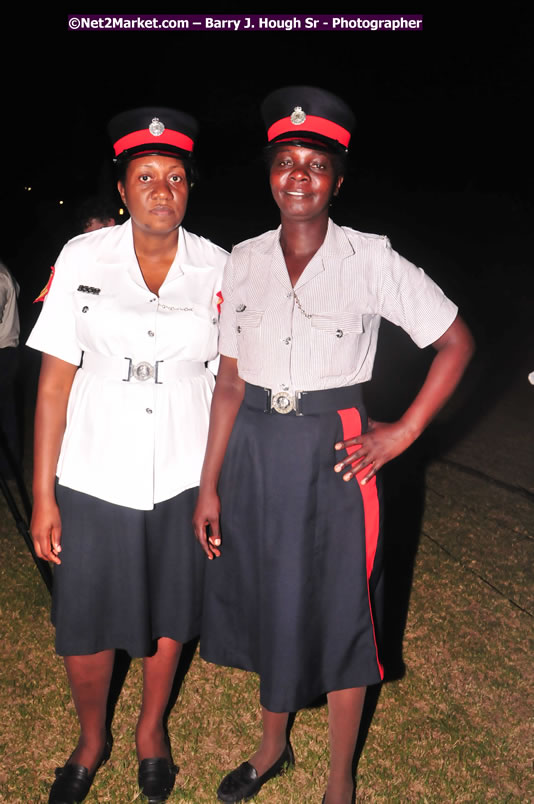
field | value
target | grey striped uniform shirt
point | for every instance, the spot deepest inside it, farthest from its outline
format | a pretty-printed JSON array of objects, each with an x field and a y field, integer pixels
[{"x": 330, "y": 340}]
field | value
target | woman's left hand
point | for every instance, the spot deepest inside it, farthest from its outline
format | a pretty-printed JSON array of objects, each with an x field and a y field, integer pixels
[{"x": 381, "y": 443}]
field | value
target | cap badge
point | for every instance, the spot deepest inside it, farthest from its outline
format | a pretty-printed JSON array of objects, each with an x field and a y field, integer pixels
[
  {"x": 298, "y": 116},
  {"x": 156, "y": 127}
]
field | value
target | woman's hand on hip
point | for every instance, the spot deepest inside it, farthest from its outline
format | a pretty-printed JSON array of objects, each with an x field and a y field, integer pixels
[
  {"x": 46, "y": 531},
  {"x": 381, "y": 443},
  {"x": 206, "y": 523}
]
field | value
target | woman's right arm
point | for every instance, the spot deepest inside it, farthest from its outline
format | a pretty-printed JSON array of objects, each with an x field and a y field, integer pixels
[
  {"x": 227, "y": 398},
  {"x": 55, "y": 383}
]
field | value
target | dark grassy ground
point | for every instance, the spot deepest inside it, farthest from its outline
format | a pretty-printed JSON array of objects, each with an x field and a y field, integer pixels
[{"x": 456, "y": 727}]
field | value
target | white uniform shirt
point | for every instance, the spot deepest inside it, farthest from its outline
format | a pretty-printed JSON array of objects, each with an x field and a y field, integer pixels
[
  {"x": 9, "y": 314},
  {"x": 351, "y": 282},
  {"x": 133, "y": 443}
]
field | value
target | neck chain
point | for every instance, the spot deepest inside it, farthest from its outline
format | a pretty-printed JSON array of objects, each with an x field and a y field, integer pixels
[
  {"x": 299, "y": 305},
  {"x": 170, "y": 307}
]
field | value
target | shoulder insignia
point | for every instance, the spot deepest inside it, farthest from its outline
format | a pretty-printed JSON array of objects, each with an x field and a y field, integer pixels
[{"x": 44, "y": 293}]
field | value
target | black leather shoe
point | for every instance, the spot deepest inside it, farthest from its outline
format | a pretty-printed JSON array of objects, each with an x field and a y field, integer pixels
[
  {"x": 243, "y": 783},
  {"x": 73, "y": 781},
  {"x": 156, "y": 778}
]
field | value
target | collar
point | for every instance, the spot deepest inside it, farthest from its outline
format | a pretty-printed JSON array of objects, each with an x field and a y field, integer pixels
[
  {"x": 335, "y": 248},
  {"x": 118, "y": 249}
]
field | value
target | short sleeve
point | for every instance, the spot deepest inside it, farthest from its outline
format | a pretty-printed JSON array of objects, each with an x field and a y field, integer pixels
[
  {"x": 55, "y": 330},
  {"x": 228, "y": 333},
  {"x": 4, "y": 294},
  {"x": 411, "y": 300}
]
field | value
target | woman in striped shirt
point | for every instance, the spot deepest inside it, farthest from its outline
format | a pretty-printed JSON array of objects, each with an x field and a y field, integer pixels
[{"x": 289, "y": 503}]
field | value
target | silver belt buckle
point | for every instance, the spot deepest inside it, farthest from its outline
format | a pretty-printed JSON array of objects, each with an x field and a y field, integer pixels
[
  {"x": 143, "y": 371},
  {"x": 282, "y": 402}
]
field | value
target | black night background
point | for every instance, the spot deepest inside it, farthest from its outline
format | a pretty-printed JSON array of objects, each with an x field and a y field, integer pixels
[{"x": 438, "y": 155}]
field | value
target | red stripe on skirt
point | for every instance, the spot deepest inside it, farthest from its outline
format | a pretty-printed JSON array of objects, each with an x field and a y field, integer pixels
[{"x": 352, "y": 426}]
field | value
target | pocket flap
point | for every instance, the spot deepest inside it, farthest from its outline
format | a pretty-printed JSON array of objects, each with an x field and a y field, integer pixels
[
  {"x": 249, "y": 318},
  {"x": 332, "y": 322}
]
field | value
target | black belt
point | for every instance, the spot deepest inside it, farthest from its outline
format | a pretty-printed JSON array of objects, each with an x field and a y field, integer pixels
[{"x": 302, "y": 403}]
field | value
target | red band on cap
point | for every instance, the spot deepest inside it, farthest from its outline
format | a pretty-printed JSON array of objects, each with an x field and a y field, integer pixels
[
  {"x": 144, "y": 137},
  {"x": 320, "y": 125}
]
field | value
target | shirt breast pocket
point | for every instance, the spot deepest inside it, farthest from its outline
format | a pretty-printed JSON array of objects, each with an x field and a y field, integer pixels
[
  {"x": 335, "y": 341},
  {"x": 88, "y": 309},
  {"x": 204, "y": 324},
  {"x": 248, "y": 326},
  {"x": 86, "y": 303},
  {"x": 96, "y": 317}
]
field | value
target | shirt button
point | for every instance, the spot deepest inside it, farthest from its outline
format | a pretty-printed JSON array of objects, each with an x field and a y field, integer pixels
[
  {"x": 150, "y": 333},
  {"x": 339, "y": 333},
  {"x": 287, "y": 341},
  {"x": 149, "y": 410},
  {"x": 213, "y": 320},
  {"x": 289, "y": 295},
  {"x": 85, "y": 309},
  {"x": 239, "y": 329}
]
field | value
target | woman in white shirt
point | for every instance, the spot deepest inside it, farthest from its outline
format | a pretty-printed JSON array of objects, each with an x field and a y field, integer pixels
[
  {"x": 292, "y": 592},
  {"x": 128, "y": 324}
]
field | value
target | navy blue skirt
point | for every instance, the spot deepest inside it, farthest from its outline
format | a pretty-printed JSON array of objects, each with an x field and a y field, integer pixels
[
  {"x": 293, "y": 596},
  {"x": 127, "y": 577}
]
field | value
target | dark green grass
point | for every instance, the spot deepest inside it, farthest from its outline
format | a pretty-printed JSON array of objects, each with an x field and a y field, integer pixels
[{"x": 456, "y": 728}]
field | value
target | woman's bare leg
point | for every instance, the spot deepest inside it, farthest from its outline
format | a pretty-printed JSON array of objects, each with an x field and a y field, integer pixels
[
  {"x": 89, "y": 679},
  {"x": 158, "y": 676},
  {"x": 273, "y": 742},
  {"x": 344, "y": 715}
]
